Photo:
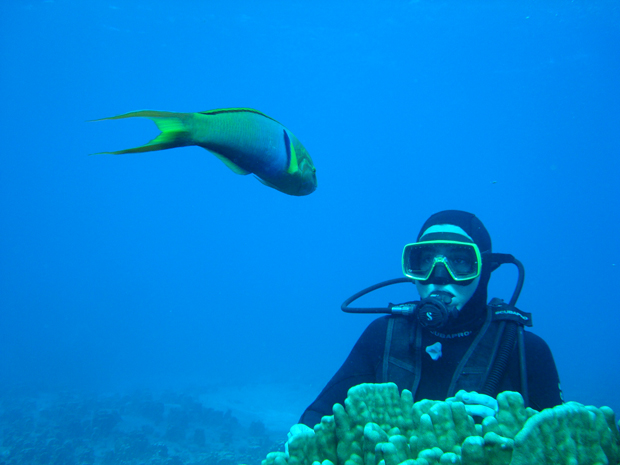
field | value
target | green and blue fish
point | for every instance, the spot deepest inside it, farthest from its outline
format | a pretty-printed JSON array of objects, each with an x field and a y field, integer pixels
[{"x": 246, "y": 140}]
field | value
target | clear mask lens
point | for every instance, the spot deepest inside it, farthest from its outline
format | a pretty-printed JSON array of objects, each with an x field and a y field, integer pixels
[{"x": 461, "y": 259}]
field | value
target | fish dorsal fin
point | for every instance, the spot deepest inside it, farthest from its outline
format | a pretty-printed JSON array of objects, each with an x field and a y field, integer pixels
[
  {"x": 235, "y": 168},
  {"x": 236, "y": 110}
]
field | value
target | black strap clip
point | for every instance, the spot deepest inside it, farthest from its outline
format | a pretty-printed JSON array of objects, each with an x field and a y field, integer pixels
[{"x": 504, "y": 312}]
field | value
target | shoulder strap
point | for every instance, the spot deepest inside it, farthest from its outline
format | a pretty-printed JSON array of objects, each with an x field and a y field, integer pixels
[{"x": 402, "y": 355}]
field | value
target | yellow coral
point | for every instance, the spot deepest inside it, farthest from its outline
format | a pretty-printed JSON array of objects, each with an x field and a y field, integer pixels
[{"x": 377, "y": 426}]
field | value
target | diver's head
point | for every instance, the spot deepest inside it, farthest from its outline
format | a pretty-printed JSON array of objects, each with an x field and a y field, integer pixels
[
  {"x": 448, "y": 259},
  {"x": 445, "y": 259}
]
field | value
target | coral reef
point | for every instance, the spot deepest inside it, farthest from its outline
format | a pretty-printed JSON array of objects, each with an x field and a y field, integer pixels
[
  {"x": 377, "y": 426},
  {"x": 137, "y": 428}
]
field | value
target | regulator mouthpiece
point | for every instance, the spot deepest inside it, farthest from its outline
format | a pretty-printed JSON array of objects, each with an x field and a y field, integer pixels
[{"x": 435, "y": 311}]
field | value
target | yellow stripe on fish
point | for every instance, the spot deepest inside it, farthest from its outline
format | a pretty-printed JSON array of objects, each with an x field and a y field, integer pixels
[{"x": 245, "y": 140}]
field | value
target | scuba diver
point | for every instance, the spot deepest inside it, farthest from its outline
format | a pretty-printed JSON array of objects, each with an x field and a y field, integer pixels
[{"x": 451, "y": 344}]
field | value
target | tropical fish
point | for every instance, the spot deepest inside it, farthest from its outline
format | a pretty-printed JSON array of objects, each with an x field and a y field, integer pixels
[{"x": 246, "y": 140}]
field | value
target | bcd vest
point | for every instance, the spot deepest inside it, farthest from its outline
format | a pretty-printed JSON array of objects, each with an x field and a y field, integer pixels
[{"x": 402, "y": 356}]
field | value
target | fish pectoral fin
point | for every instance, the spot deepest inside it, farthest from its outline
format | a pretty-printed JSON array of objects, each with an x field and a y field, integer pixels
[
  {"x": 291, "y": 155},
  {"x": 268, "y": 184},
  {"x": 293, "y": 166},
  {"x": 234, "y": 167}
]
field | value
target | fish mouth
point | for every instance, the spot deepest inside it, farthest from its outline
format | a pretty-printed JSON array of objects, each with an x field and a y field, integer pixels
[{"x": 308, "y": 188}]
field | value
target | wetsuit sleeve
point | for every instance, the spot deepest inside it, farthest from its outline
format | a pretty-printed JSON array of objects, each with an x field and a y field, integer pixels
[
  {"x": 542, "y": 375},
  {"x": 359, "y": 367}
]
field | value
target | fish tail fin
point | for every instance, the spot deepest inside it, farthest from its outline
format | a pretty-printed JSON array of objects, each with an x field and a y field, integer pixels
[{"x": 174, "y": 131}]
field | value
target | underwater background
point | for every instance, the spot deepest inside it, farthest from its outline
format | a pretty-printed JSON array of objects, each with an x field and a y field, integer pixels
[{"x": 168, "y": 279}]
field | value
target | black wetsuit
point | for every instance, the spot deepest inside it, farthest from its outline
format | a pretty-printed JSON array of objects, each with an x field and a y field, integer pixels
[{"x": 363, "y": 365}]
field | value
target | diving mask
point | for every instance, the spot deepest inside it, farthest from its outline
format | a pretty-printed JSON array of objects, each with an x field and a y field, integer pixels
[{"x": 461, "y": 259}]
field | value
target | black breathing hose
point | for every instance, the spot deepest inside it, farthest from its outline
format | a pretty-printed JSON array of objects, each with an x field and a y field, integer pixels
[
  {"x": 511, "y": 330},
  {"x": 509, "y": 335},
  {"x": 345, "y": 305}
]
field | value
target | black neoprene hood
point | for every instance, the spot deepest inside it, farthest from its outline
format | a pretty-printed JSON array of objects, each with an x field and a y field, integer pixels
[
  {"x": 475, "y": 308},
  {"x": 468, "y": 222}
]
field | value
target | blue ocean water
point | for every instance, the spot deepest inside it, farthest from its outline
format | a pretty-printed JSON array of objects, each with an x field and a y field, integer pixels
[{"x": 167, "y": 270}]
